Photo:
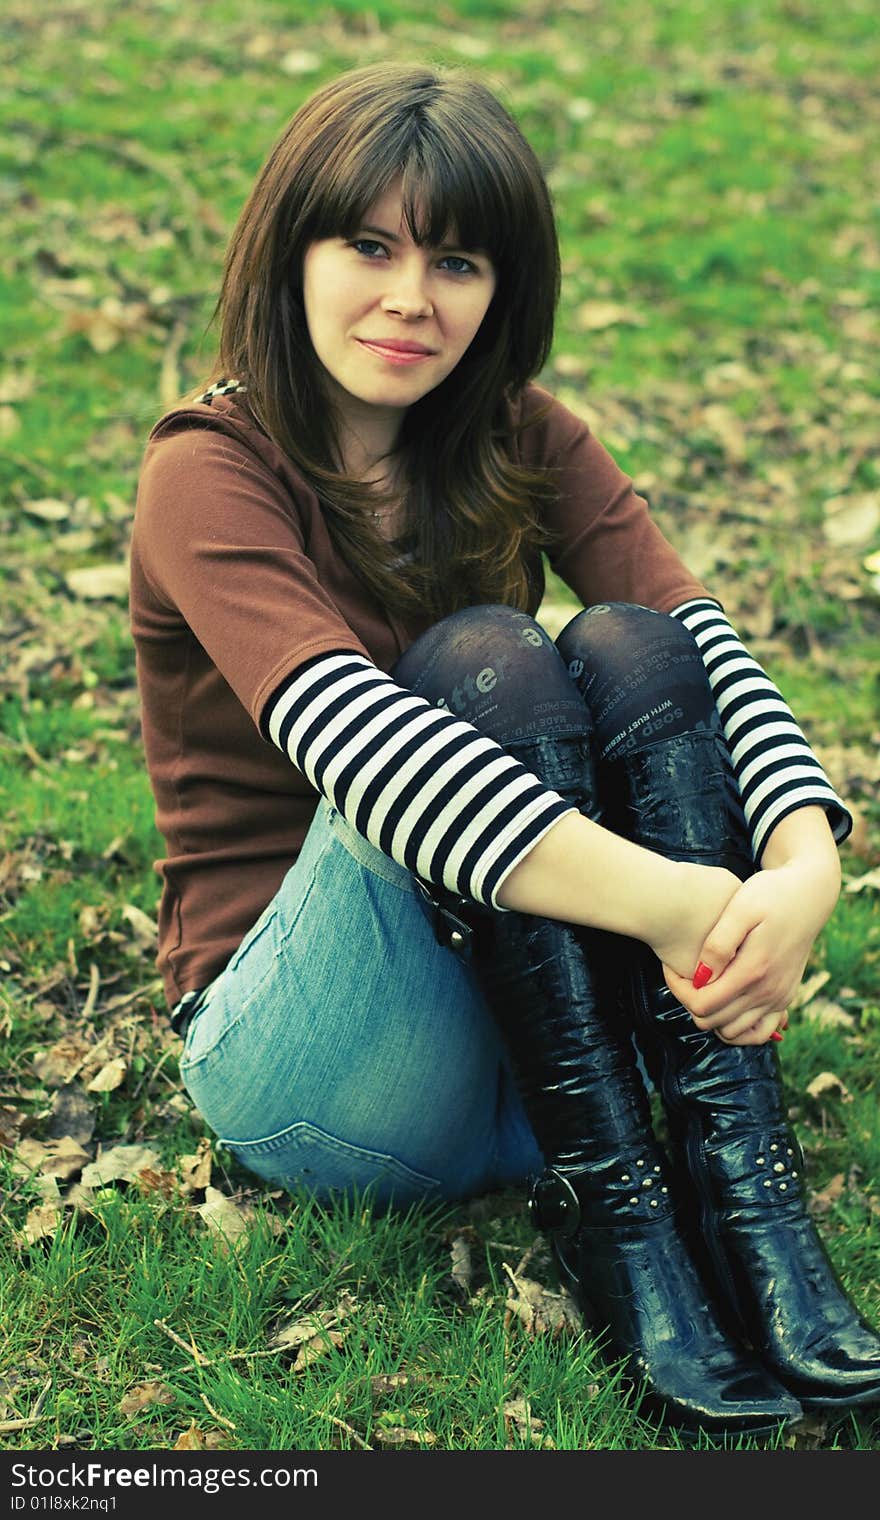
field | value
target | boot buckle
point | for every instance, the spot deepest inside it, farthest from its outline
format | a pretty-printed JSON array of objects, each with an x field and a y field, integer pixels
[{"x": 554, "y": 1205}]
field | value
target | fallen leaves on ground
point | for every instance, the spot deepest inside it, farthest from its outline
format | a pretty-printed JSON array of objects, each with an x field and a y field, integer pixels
[
  {"x": 386, "y": 1433},
  {"x": 826, "y": 1197},
  {"x": 121, "y": 1163},
  {"x": 827, "y": 1085},
  {"x": 808, "y": 1433},
  {"x": 520, "y": 1422},
  {"x": 540, "y": 1311},
  {"x": 828, "y": 1015},
  {"x": 195, "y": 1170},
  {"x": 63, "y": 1158},
  {"x": 462, "y": 1269},
  {"x": 143, "y": 1394},
  {"x": 111, "y": 1076},
  {"x": 99, "y": 582},
  {"x": 316, "y": 1331},
  {"x": 196, "y": 1439},
  {"x": 230, "y": 1221}
]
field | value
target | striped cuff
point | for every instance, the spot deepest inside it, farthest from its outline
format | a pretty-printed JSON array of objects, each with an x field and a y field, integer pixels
[{"x": 775, "y": 769}]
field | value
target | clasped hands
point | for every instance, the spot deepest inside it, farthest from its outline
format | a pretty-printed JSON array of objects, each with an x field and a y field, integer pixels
[{"x": 758, "y": 944}]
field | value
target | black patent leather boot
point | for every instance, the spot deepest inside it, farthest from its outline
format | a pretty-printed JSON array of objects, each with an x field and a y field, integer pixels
[
  {"x": 725, "y": 1104},
  {"x": 606, "y": 1196}
]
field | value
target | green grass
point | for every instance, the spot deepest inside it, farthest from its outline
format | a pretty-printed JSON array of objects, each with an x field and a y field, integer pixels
[{"x": 714, "y": 172}]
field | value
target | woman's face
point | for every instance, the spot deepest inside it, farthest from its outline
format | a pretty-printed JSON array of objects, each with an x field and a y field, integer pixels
[{"x": 390, "y": 320}]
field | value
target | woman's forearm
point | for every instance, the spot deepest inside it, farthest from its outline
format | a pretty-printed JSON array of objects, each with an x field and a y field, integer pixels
[
  {"x": 804, "y": 835},
  {"x": 585, "y": 874}
]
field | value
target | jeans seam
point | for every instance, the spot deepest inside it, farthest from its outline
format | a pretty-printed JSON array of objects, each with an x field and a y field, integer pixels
[{"x": 270, "y": 1144}]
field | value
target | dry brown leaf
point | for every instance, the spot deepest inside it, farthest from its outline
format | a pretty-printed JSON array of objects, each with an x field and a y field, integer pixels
[
  {"x": 16, "y": 385},
  {"x": 809, "y": 988},
  {"x": 144, "y": 1394},
  {"x": 469, "y": 45},
  {"x": 828, "y": 1196},
  {"x": 41, "y": 1221},
  {"x": 300, "y": 1331},
  {"x": 298, "y": 61},
  {"x": 106, "y": 325},
  {"x": 99, "y": 582},
  {"x": 520, "y": 1421},
  {"x": 144, "y": 927},
  {"x": 570, "y": 366},
  {"x": 318, "y": 1346},
  {"x": 462, "y": 1268},
  {"x": 55, "y": 1067},
  {"x": 11, "y": 1120},
  {"x": 149, "y": 1180},
  {"x": 595, "y": 316},
  {"x": 227, "y": 1219},
  {"x": 541, "y": 1312},
  {"x": 191, "y": 1439},
  {"x": 852, "y": 520},
  {"x": 728, "y": 429},
  {"x": 401, "y": 1435},
  {"x": 827, "y": 1085},
  {"x": 119, "y": 1164},
  {"x": 195, "y": 1171},
  {"x": 389, "y": 1382},
  {"x": 72, "y": 1115},
  {"x": 111, "y": 1076},
  {"x": 79, "y": 1197},
  {"x": 828, "y": 1015},
  {"x": 62, "y": 1158},
  {"x": 216, "y": 1440},
  {"x": 808, "y": 1433},
  {"x": 48, "y": 509}
]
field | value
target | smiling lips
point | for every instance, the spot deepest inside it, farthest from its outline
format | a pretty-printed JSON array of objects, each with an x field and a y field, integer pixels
[{"x": 396, "y": 350}]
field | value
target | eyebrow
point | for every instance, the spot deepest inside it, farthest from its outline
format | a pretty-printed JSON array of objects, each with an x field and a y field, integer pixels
[{"x": 441, "y": 247}]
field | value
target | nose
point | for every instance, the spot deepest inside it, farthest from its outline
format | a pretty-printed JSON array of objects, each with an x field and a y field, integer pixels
[{"x": 407, "y": 294}]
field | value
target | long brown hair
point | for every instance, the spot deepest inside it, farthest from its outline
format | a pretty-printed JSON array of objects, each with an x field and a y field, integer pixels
[{"x": 473, "y": 514}]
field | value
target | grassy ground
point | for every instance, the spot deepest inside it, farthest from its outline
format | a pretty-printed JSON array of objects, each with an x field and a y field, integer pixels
[{"x": 713, "y": 173}]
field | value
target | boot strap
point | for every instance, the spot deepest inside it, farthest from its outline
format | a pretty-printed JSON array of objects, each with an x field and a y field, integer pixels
[{"x": 445, "y": 912}]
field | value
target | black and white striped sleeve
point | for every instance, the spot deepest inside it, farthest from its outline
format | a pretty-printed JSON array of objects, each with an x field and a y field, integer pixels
[
  {"x": 426, "y": 788},
  {"x": 775, "y": 768}
]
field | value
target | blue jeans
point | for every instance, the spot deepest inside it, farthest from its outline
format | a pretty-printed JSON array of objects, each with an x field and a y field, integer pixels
[{"x": 343, "y": 1046}]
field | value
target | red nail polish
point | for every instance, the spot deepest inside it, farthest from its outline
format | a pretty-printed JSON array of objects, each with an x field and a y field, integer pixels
[
  {"x": 776, "y": 1035},
  {"x": 702, "y": 975}
]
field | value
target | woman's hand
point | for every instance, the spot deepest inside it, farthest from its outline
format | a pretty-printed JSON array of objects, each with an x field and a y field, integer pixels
[
  {"x": 758, "y": 948},
  {"x": 693, "y": 900}
]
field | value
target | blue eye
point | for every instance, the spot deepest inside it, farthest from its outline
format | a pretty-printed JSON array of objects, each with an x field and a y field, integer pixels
[
  {"x": 363, "y": 245},
  {"x": 453, "y": 258}
]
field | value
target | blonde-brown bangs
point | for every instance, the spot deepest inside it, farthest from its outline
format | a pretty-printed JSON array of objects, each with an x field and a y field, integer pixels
[{"x": 449, "y": 192}]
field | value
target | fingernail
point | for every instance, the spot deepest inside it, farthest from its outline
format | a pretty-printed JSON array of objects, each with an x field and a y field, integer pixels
[
  {"x": 776, "y": 1035},
  {"x": 702, "y": 975}
]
